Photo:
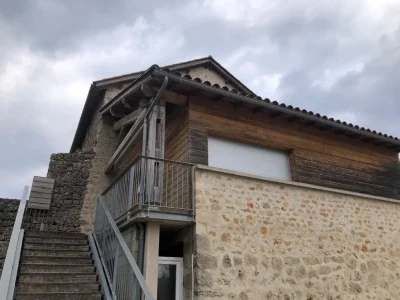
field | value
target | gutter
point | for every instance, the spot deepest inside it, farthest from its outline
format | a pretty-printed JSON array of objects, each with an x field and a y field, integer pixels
[{"x": 273, "y": 107}]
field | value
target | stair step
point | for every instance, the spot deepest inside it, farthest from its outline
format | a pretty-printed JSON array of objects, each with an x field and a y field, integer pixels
[
  {"x": 57, "y": 277},
  {"x": 51, "y": 240},
  {"x": 57, "y": 260},
  {"x": 59, "y": 296},
  {"x": 35, "y": 268},
  {"x": 73, "y": 235},
  {"x": 56, "y": 253},
  {"x": 46, "y": 246},
  {"x": 58, "y": 287}
]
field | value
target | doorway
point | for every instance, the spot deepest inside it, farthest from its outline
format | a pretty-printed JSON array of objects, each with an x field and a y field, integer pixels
[{"x": 170, "y": 278}]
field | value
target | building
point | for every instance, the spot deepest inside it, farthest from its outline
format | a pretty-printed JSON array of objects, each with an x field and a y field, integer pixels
[{"x": 219, "y": 193}]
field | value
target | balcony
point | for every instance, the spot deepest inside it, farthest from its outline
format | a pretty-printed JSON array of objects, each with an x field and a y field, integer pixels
[{"x": 152, "y": 189}]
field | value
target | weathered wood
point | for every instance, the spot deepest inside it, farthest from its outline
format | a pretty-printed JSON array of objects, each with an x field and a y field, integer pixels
[
  {"x": 129, "y": 119},
  {"x": 41, "y": 193},
  {"x": 315, "y": 157},
  {"x": 115, "y": 113},
  {"x": 147, "y": 91},
  {"x": 125, "y": 142}
]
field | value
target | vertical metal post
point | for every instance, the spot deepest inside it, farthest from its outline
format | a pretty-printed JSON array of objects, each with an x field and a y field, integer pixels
[
  {"x": 115, "y": 273},
  {"x": 131, "y": 186}
]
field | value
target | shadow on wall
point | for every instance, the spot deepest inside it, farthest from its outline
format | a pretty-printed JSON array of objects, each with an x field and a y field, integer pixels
[{"x": 391, "y": 174}]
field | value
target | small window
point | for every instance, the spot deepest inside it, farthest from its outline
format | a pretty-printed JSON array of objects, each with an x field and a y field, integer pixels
[{"x": 245, "y": 158}]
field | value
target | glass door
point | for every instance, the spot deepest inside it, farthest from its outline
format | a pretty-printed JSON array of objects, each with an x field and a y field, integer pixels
[{"x": 170, "y": 278}]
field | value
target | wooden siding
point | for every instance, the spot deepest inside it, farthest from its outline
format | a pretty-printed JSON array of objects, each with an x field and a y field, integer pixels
[
  {"x": 316, "y": 156},
  {"x": 177, "y": 134}
]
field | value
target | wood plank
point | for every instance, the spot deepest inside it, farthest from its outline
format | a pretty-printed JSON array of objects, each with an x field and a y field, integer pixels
[
  {"x": 43, "y": 179},
  {"x": 129, "y": 119},
  {"x": 125, "y": 142},
  {"x": 37, "y": 184},
  {"x": 40, "y": 195},
  {"x": 42, "y": 190},
  {"x": 243, "y": 118},
  {"x": 38, "y": 206}
]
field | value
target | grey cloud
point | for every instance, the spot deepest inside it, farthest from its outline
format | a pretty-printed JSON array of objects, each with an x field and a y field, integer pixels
[{"x": 296, "y": 41}]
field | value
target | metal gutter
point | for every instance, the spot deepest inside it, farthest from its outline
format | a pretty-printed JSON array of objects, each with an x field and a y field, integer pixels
[{"x": 272, "y": 107}]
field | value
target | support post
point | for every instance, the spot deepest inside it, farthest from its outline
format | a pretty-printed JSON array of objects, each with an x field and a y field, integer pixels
[{"x": 151, "y": 256}]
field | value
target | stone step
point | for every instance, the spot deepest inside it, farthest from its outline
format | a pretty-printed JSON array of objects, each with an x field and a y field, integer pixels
[
  {"x": 46, "y": 246},
  {"x": 56, "y": 287},
  {"x": 59, "y": 296},
  {"x": 56, "y": 253},
  {"x": 63, "y": 235},
  {"x": 57, "y": 277},
  {"x": 60, "y": 260},
  {"x": 35, "y": 268},
  {"x": 51, "y": 240}
]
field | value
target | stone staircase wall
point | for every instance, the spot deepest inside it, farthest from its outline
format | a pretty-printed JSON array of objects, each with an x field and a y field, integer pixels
[{"x": 8, "y": 212}]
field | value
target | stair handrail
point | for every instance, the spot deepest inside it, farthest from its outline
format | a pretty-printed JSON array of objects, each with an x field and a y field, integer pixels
[
  {"x": 10, "y": 267},
  {"x": 124, "y": 247}
]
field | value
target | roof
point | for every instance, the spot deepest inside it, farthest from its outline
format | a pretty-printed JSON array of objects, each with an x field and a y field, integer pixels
[
  {"x": 173, "y": 73},
  {"x": 208, "y": 61}
]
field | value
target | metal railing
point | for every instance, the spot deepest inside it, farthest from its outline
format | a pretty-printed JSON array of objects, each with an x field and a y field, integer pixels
[
  {"x": 36, "y": 219},
  {"x": 11, "y": 263},
  {"x": 150, "y": 183},
  {"x": 123, "y": 275}
]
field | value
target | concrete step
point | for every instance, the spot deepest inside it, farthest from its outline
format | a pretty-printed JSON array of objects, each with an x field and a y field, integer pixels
[
  {"x": 63, "y": 235},
  {"x": 56, "y": 253},
  {"x": 60, "y": 260},
  {"x": 46, "y": 246},
  {"x": 59, "y": 296},
  {"x": 56, "y": 287},
  {"x": 57, "y": 277},
  {"x": 35, "y": 268},
  {"x": 51, "y": 240}
]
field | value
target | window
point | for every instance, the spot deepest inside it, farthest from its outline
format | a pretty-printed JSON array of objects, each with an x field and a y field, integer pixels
[{"x": 247, "y": 158}]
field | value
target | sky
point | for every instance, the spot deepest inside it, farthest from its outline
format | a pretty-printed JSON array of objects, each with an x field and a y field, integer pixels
[{"x": 339, "y": 58}]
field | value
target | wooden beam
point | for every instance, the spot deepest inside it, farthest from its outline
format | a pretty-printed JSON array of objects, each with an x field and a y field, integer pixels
[
  {"x": 174, "y": 98},
  {"x": 147, "y": 91},
  {"x": 125, "y": 141},
  {"x": 126, "y": 103},
  {"x": 129, "y": 119},
  {"x": 115, "y": 113},
  {"x": 257, "y": 110}
]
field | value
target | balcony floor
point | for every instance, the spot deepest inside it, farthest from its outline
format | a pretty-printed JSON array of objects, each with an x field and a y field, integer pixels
[{"x": 148, "y": 213}]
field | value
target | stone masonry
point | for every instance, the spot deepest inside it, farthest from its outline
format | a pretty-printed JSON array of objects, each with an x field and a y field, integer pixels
[
  {"x": 8, "y": 212},
  {"x": 258, "y": 239},
  {"x": 70, "y": 171}
]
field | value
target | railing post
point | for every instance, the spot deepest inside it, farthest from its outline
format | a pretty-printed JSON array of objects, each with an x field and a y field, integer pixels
[
  {"x": 115, "y": 273},
  {"x": 142, "y": 182},
  {"x": 131, "y": 186},
  {"x": 6, "y": 282}
]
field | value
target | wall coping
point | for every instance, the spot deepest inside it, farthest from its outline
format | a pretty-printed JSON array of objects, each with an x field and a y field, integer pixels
[{"x": 296, "y": 184}]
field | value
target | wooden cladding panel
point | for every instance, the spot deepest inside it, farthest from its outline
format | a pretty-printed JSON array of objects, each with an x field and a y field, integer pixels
[
  {"x": 316, "y": 157},
  {"x": 41, "y": 193},
  {"x": 177, "y": 134}
]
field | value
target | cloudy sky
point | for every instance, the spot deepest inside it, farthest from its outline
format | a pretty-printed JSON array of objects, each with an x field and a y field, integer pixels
[{"x": 340, "y": 58}]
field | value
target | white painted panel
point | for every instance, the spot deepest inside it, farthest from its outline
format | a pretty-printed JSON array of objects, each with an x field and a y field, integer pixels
[{"x": 235, "y": 156}]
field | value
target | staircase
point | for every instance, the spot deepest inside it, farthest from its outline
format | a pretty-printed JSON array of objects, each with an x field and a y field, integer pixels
[{"x": 56, "y": 266}]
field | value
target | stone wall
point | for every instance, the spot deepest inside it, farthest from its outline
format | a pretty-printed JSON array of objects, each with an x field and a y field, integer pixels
[
  {"x": 259, "y": 239},
  {"x": 70, "y": 171},
  {"x": 102, "y": 140},
  {"x": 8, "y": 212}
]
